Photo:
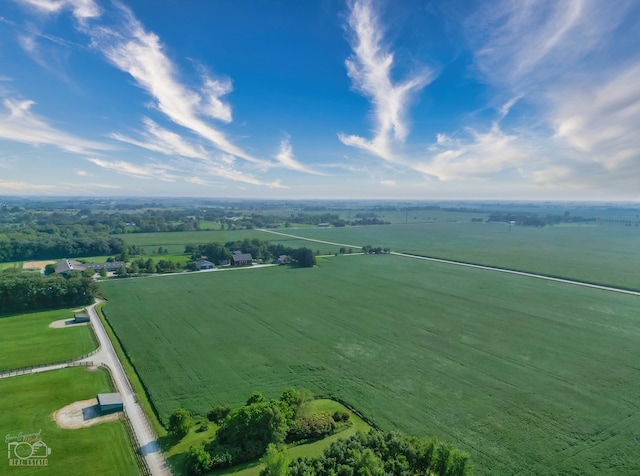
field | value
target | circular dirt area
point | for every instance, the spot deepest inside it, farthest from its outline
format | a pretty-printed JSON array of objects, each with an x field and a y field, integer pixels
[
  {"x": 62, "y": 323},
  {"x": 82, "y": 414}
]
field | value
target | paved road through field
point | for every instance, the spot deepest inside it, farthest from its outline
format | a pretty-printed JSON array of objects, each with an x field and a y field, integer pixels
[
  {"x": 147, "y": 439},
  {"x": 469, "y": 265}
]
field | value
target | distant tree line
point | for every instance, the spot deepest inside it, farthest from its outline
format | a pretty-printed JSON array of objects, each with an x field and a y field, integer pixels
[
  {"x": 32, "y": 245},
  {"x": 22, "y": 291}
]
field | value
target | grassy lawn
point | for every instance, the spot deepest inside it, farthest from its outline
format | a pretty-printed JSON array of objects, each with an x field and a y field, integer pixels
[
  {"x": 604, "y": 254},
  {"x": 528, "y": 376},
  {"x": 28, "y": 403},
  {"x": 27, "y": 339}
]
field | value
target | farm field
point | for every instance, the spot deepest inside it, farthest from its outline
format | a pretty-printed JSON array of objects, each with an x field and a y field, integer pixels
[
  {"x": 175, "y": 241},
  {"x": 28, "y": 402},
  {"x": 604, "y": 254},
  {"x": 529, "y": 376},
  {"x": 27, "y": 339}
]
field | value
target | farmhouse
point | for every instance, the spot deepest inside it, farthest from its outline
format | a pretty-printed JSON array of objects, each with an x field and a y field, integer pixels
[
  {"x": 241, "y": 259},
  {"x": 204, "y": 264},
  {"x": 110, "y": 403}
]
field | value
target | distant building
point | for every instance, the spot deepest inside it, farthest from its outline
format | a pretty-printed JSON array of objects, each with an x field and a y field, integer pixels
[
  {"x": 324, "y": 225},
  {"x": 110, "y": 403},
  {"x": 282, "y": 259},
  {"x": 204, "y": 264},
  {"x": 241, "y": 259},
  {"x": 65, "y": 266}
]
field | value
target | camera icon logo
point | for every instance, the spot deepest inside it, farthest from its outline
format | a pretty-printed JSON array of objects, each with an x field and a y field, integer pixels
[{"x": 23, "y": 453}]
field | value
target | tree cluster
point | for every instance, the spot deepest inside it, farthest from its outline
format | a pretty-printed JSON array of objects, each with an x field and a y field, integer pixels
[
  {"x": 384, "y": 453},
  {"x": 22, "y": 291},
  {"x": 246, "y": 432},
  {"x": 370, "y": 250}
]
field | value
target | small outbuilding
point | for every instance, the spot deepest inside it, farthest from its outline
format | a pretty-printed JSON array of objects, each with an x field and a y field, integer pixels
[
  {"x": 81, "y": 316},
  {"x": 110, "y": 403}
]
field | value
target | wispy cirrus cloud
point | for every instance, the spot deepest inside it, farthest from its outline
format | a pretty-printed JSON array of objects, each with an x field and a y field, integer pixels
[
  {"x": 141, "y": 54},
  {"x": 582, "y": 102},
  {"x": 81, "y": 9},
  {"x": 159, "y": 139},
  {"x": 18, "y": 123},
  {"x": 152, "y": 170},
  {"x": 286, "y": 159},
  {"x": 369, "y": 68}
]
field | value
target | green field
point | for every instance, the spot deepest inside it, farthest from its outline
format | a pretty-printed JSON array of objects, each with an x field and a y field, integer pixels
[
  {"x": 28, "y": 403},
  {"x": 595, "y": 253},
  {"x": 529, "y": 376},
  {"x": 176, "y": 241},
  {"x": 27, "y": 339}
]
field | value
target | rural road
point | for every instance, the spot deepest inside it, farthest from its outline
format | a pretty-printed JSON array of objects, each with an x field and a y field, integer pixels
[
  {"x": 469, "y": 265},
  {"x": 147, "y": 439}
]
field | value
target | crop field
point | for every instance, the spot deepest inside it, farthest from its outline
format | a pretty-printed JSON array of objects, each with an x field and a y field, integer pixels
[
  {"x": 28, "y": 403},
  {"x": 529, "y": 376},
  {"x": 604, "y": 254},
  {"x": 27, "y": 339},
  {"x": 176, "y": 241}
]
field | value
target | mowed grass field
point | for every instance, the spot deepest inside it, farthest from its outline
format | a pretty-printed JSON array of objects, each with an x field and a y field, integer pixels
[
  {"x": 28, "y": 403},
  {"x": 27, "y": 339},
  {"x": 605, "y": 254},
  {"x": 529, "y": 376}
]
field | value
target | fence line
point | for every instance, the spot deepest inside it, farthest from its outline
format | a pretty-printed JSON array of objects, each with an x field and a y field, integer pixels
[
  {"x": 140, "y": 460},
  {"x": 30, "y": 368}
]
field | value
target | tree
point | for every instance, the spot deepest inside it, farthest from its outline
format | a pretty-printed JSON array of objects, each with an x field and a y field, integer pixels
[
  {"x": 87, "y": 273},
  {"x": 304, "y": 257},
  {"x": 103, "y": 272},
  {"x": 198, "y": 460},
  {"x": 276, "y": 461},
  {"x": 255, "y": 397},
  {"x": 121, "y": 271},
  {"x": 180, "y": 423},
  {"x": 218, "y": 413},
  {"x": 49, "y": 269}
]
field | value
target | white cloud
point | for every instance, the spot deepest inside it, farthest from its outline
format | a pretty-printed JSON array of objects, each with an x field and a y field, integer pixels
[
  {"x": 388, "y": 183},
  {"x": 19, "y": 124},
  {"x": 159, "y": 139},
  {"x": 482, "y": 155},
  {"x": 141, "y": 54},
  {"x": 287, "y": 160},
  {"x": 155, "y": 171},
  {"x": 27, "y": 187},
  {"x": 81, "y": 9},
  {"x": 369, "y": 68}
]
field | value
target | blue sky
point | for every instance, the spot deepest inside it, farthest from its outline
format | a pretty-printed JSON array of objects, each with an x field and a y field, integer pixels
[{"x": 415, "y": 99}]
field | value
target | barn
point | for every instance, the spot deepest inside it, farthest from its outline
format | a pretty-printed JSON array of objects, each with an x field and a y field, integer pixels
[{"x": 241, "y": 259}]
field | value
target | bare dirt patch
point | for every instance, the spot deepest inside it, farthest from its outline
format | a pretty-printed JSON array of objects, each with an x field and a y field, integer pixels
[
  {"x": 36, "y": 264},
  {"x": 62, "y": 323},
  {"x": 82, "y": 414}
]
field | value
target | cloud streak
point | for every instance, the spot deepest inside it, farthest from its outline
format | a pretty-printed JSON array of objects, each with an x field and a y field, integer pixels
[
  {"x": 369, "y": 68},
  {"x": 18, "y": 123}
]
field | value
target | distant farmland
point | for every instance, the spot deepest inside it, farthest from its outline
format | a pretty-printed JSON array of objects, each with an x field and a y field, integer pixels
[
  {"x": 530, "y": 377},
  {"x": 605, "y": 254}
]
